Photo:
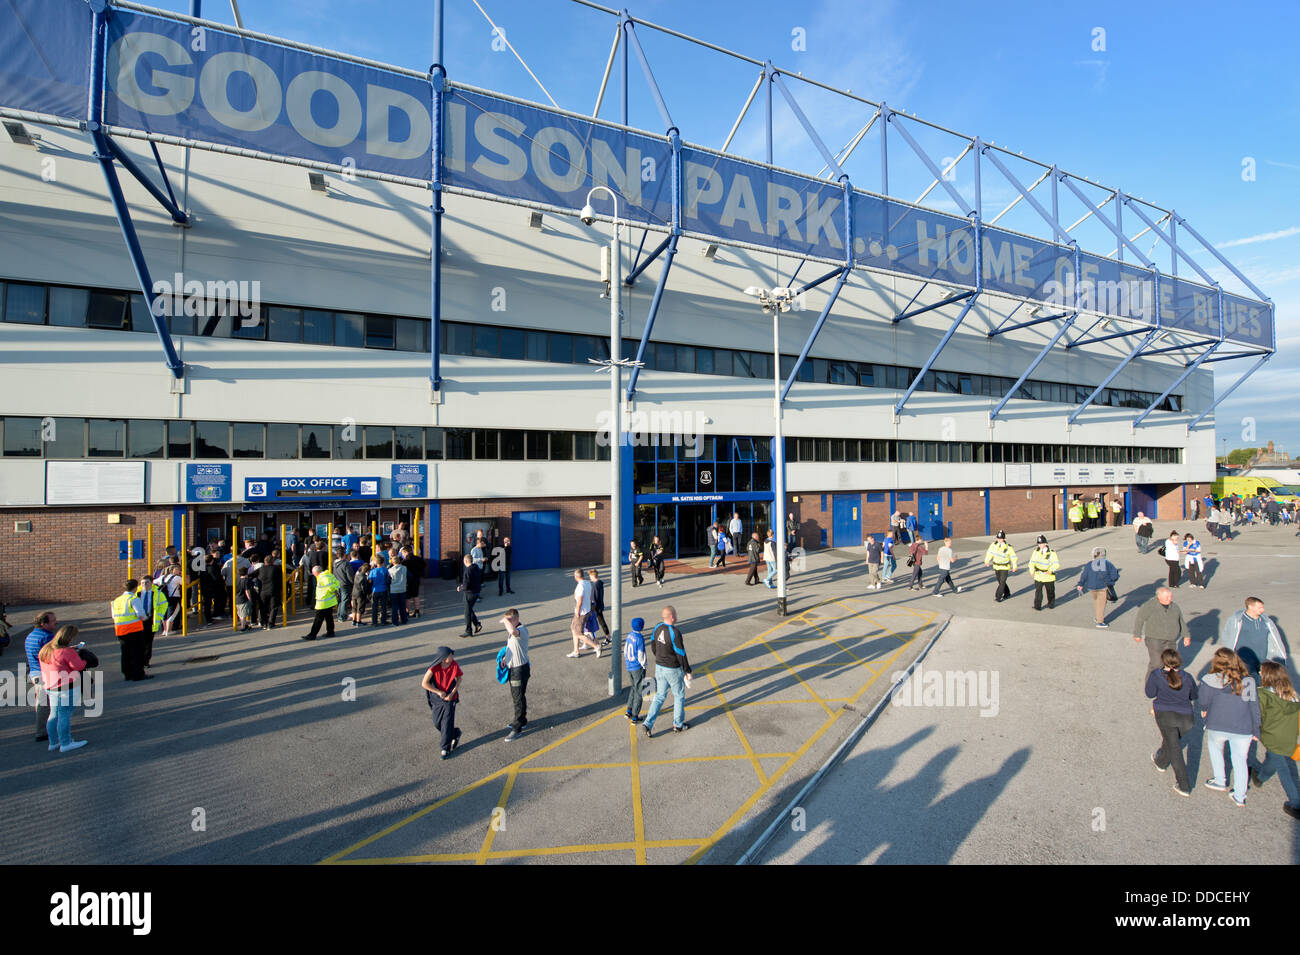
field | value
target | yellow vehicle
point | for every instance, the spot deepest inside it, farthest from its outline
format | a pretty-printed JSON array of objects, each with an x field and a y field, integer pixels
[{"x": 1255, "y": 486}]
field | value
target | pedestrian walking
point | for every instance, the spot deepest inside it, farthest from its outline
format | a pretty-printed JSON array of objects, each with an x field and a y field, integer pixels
[
  {"x": 769, "y": 557},
  {"x": 582, "y": 594},
  {"x": 45, "y": 626},
  {"x": 1230, "y": 708},
  {"x": 887, "y": 551},
  {"x": 441, "y": 686},
  {"x": 754, "y": 551},
  {"x": 875, "y": 554},
  {"x": 634, "y": 659},
  {"x": 657, "y": 560},
  {"x": 1173, "y": 558},
  {"x": 470, "y": 586},
  {"x": 1160, "y": 622},
  {"x": 944, "y": 561},
  {"x": 1253, "y": 636},
  {"x": 1279, "y": 716},
  {"x": 1172, "y": 691},
  {"x": 1043, "y": 565},
  {"x": 1192, "y": 562},
  {"x": 1099, "y": 576},
  {"x": 327, "y": 599},
  {"x": 60, "y": 665},
  {"x": 634, "y": 559},
  {"x": 598, "y": 603},
  {"x": 343, "y": 570},
  {"x": 1002, "y": 558},
  {"x": 713, "y": 544},
  {"x": 518, "y": 670},
  {"x": 916, "y": 560},
  {"x": 1142, "y": 531},
  {"x": 672, "y": 672}
]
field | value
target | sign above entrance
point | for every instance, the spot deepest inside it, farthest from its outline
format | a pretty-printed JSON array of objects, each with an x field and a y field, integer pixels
[
  {"x": 410, "y": 480},
  {"x": 207, "y": 483},
  {"x": 311, "y": 488},
  {"x": 695, "y": 498}
]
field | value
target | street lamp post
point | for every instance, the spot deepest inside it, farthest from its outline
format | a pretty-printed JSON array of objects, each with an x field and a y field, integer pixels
[{"x": 588, "y": 215}]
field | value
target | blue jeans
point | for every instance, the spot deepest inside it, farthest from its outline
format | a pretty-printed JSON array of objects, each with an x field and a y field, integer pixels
[
  {"x": 399, "y": 608},
  {"x": 1286, "y": 769},
  {"x": 59, "y": 725},
  {"x": 890, "y": 566},
  {"x": 668, "y": 678},
  {"x": 378, "y": 608},
  {"x": 1238, "y": 748},
  {"x": 771, "y": 574}
]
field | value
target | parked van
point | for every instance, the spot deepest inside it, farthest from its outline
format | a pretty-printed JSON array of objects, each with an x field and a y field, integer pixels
[{"x": 1255, "y": 486}]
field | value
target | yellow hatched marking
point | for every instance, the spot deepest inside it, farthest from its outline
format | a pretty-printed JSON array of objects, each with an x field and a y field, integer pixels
[
  {"x": 492, "y": 819},
  {"x": 749, "y": 750}
]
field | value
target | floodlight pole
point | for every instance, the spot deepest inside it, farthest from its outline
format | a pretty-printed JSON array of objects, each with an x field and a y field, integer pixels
[
  {"x": 615, "y": 453},
  {"x": 779, "y": 544}
]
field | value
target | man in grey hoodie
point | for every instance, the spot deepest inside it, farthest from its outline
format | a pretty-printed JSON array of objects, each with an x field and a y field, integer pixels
[
  {"x": 1161, "y": 621},
  {"x": 1253, "y": 636}
]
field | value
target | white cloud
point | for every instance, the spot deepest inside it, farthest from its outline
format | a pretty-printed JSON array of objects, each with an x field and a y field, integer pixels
[{"x": 1262, "y": 237}]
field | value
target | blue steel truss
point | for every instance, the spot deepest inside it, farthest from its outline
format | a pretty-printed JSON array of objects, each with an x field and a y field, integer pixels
[{"x": 627, "y": 44}]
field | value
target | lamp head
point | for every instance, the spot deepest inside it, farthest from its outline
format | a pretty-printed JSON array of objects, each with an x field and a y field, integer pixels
[{"x": 587, "y": 215}]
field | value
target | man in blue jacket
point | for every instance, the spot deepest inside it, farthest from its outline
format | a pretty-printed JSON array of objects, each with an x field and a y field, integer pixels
[
  {"x": 46, "y": 624},
  {"x": 672, "y": 672}
]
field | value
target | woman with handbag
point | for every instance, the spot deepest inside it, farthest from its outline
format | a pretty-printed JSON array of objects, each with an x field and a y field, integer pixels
[
  {"x": 916, "y": 557},
  {"x": 1279, "y": 733},
  {"x": 61, "y": 662},
  {"x": 1099, "y": 576},
  {"x": 1173, "y": 557}
]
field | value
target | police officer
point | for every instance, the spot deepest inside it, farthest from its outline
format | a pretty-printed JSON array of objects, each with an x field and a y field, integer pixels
[
  {"x": 1044, "y": 564},
  {"x": 128, "y": 626},
  {"x": 1002, "y": 558},
  {"x": 1076, "y": 515},
  {"x": 327, "y": 598}
]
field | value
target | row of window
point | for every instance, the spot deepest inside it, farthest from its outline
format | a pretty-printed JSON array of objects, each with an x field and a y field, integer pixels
[
  {"x": 968, "y": 452},
  {"x": 31, "y": 304},
  {"x": 55, "y": 438}
]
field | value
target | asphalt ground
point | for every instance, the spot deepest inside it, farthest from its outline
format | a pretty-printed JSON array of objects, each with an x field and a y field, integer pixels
[
  {"x": 1060, "y": 769},
  {"x": 261, "y": 748}
]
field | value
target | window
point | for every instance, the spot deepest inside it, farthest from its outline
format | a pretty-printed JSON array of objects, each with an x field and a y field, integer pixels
[
  {"x": 412, "y": 334},
  {"x": 561, "y": 445},
  {"x": 512, "y": 343},
  {"x": 251, "y": 326},
  {"x": 64, "y": 437},
  {"x": 68, "y": 307},
  {"x": 512, "y": 445},
  {"x": 535, "y": 346},
  {"x": 281, "y": 441},
  {"x": 349, "y": 443},
  {"x": 106, "y": 439},
  {"x": 536, "y": 445},
  {"x": 284, "y": 324},
  {"x": 379, "y": 442},
  {"x": 905, "y": 451},
  {"x": 460, "y": 444},
  {"x": 211, "y": 439},
  {"x": 433, "y": 444},
  {"x": 584, "y": 347},
  {"x": 584, "y": 446},
  {"x": 317, "y": 327},
  {"x": 487, "y": 343},
  {"x": 486, "y": 444},
  {"x": 25, "y": 304},
  {"x": 317, "y": 441},
  {"x": 350, "y": 331},
  {"x": 722, "y": 361},
  {"x": 459, "y": 340},
  {"x": 145, "y": 439},
  {"x": 246, "y": 439},
  {"x": 180, "y": 439},
  {"x": 408, "y": 444},
  {"x": 560, "y": 347},
  {"x": 22, "y": 437}
]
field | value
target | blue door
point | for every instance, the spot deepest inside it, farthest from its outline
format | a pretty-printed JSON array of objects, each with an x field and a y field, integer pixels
[
  {"x": 535, "y": 539},
  {"x": 846, "y": 520},
  {"x": 1142, "y": 497},
  {"x": 929, "y": 515}
]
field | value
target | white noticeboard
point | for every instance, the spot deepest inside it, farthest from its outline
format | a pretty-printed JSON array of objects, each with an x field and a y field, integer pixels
[
  {"x": 94, "y": 482},
  {"x": 1017, "y": 474}
]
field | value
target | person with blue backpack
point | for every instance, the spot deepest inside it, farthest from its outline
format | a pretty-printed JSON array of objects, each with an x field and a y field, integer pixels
[{"x": 634, "y": 659}]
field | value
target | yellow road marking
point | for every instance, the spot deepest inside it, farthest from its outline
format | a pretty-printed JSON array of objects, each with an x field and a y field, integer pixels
[
  {"x": 525, "y": 853},
  {"x": 579, "y": 767},
  {"x": 492, "y": 819},
  {"x": 638, "y": 821},
  {"x": 749, "y": 751}
]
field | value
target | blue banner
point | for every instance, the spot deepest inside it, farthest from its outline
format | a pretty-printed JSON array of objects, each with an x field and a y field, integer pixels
[
  {"x": 207, "y": 483},
  {"x": 1247, "y": 321},
  {"x": 202, "y": 83},
  {"x": 300, "y": 489},
  {"x": 410, "y": 481},
  {"x": 45, "y": 56}
]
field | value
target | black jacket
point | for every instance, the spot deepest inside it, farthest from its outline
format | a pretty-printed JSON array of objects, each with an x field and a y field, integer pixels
[
  {"x": 471, "y": 578},
  {"x": 668, "y": 647},
  {"x": 755, "y": 551}
]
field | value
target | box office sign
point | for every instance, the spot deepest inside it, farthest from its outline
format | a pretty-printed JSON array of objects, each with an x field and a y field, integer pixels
[{"x": 297, "y": 489}]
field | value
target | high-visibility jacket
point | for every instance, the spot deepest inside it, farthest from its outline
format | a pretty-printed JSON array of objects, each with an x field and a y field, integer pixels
[
  {"x": 1116, "y": 507},
  {"x": 327, "y": 590},
  {"x": 1044, "y": 565},
  {"x": 159, "y": 606},
  {"x": 125, "y": 618},
  {"x": 1076, "y": 513},
  {"x": 1001, "y": 555},
  {"x": 1093, "y": 509}
]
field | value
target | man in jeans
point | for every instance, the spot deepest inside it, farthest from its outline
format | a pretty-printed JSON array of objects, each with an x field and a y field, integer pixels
[
  {"x": 875, "y": 554},
  {"x": 672, "y": 672},
  {"x": 47, "y": 624},
  {"x": 944, "y": 560},
  {"x": 519, "y": 670}
]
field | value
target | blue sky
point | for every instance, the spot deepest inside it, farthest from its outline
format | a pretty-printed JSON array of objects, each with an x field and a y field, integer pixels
[{"x": 1180, "y": 96}]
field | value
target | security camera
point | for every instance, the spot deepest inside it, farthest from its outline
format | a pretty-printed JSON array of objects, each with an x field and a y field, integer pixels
[
  {"x": 587, "y": 215},
  {"x": 755, "y": 291}
]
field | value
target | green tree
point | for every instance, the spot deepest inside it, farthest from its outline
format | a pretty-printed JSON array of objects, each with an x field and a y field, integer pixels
[{"x": 1239, "y": 456}]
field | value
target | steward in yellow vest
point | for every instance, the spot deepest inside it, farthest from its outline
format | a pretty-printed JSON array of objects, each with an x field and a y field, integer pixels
[
  {"x": 1076, "y": 514},
  {"x": 327, "y": 598},
  {"x": 128, "y": 625}
]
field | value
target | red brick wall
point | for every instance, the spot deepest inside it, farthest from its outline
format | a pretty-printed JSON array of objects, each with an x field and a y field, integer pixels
[
  {"x": 582, "y": 540},
  {"x": 1169, "y": 502},
  {"x": 966, "y": 513}
]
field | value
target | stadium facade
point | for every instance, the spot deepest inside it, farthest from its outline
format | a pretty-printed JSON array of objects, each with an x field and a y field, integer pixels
[{"x": 298, "y": 303}]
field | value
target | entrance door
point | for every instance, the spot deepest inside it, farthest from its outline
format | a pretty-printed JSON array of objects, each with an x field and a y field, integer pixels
[
  {"x": 846, "y": 520},
  {"x": 929, "y": 515},
  {"x": 1143, "y": 498},
  {"x": 693, "y": 530},
  {"x": 534, "y": 539}
]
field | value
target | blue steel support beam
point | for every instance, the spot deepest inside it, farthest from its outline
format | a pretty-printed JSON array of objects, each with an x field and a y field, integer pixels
[
  {"x": 952, "y": 330},
  {"x": 1253, "y": 368},
  {"x": 629, "y": 28},
  {"x": 1106, "y": 338},
  {"x": 929, "y": 164},
  {"x": 162, "y": 171},
  {"x": 808, "y": 127},
  {"x": 818, "y": 281},
  {"x": 1218, "y": 255},
  {"x": 1171, "y": 348},
  {"x": 1038, "y": 360},
  {"x": 1007, "y": 318},
  {"x": 1119, "y": 233},
  {"x": 1113, "y": 375},
  {"x": 669, "y": 255},
  {"x": 1178, "y": 381},
  {"x": 1024, "y": 193},
  {"x": 106, "y": 143},
  {"x": 1235, "y": 355},
  {"x": 929, "y": 308},
  {"x": 1169, "y": 241},
  {"x": 1000, "y": 330},
  {"x": 812, "y": 336},
  {"x": 437, "y": 84},
  {"x": 642, "y": 266}
]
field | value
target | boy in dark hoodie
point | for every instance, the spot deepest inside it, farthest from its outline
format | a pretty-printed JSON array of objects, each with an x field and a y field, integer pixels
[{"x": 634, "y": 658}]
